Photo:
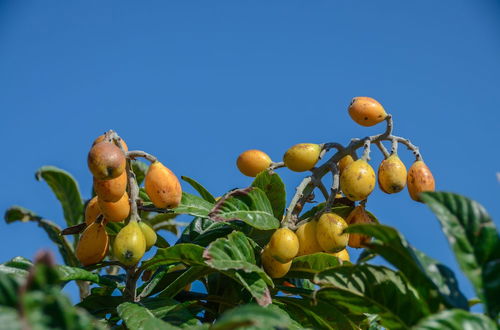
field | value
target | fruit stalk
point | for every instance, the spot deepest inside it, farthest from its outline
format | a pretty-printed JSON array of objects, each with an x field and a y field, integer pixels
[{"x": 139, "y": 153}]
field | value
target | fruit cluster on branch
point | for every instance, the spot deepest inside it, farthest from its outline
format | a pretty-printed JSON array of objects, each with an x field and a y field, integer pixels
[{"x": 353, "y": 179}]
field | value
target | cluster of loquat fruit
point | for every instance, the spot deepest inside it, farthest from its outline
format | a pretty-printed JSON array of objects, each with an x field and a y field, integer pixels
[
  {"x": 325, "y": 231},
  {"x": 109, "y": 163}
]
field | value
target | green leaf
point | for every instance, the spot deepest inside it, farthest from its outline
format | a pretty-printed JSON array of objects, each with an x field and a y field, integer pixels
[
  {"x": 9, "y": 288},
  {"x": 274, "y": 188},
  {"x": 49, "y": 309},
  {"x": 17, "y": 213},
  {"x": 13, "y": 271},
  {"x": 200, "y": 189},
  {"x": 424, "y": 273},
  {"x": 67, "y": 273},
  {"x": 140, "y": 169},
  {"x": 474, "y": 240},
  {"x": 136, "y": 316},
  {"x": 189, "y": 254},
  {"x": 339, "y": 208},
  {"x": 203, "y": 231},
  {"x": 253, "y": 208},
  {"x": 234, "y": 252},
  {"x": 66, "y": 190},
  {"x": 456, "y": 319},
  {"x": 9, "y": 319},
  {"x": 173, "y": 312},
  {"x": 252, "y": 316},
  {"x": 309, "y": 265},
  {"x": 112, "y": 228},
  {"x": 316, "y": 315},
  {"x": 99, "y": 307},
  {"x": 372, "y": 289},
  {"x": 164, "y": 221},
  {"x": 190, "y": 275},
  {"x": 19, "y": 262},
  {"x": 193, "y": 205},
  {"x": 161, "y": 242},
  {"x": 234, "y": 256}
]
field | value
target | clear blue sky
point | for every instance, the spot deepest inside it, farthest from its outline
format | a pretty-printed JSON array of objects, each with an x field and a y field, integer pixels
[{"x": 198, "y": 82}]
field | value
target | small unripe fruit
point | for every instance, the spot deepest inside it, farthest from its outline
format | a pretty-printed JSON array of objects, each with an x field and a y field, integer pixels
[
  {"x": 419, "y": 179},
  {"x": 111, "y": 190},
  {"x": 330, "y": 232},
  {"x": 306, "y": 233},
  {"x": 358, "y": 215},
  {"x": 252, "y": 162},
  {"x": 273, "y": 267},
  {"x": 162, "y": 186},
  {"x": 358, "y": 180},
  {"x": 129, "y": 245},
  {"x": 366, "y": 111},
  {"x": 344, "y": 162},
  {"x": 106, "y": 161},
  {"x": 115, "y": 211},
  {"x": 149, "y": 235},
  {"x": 392, "y": 175},
  {"x": 284, "y": 245},
  {"x": 93, "y": 245},
  {"x": 302, "y": 157},
  {"x": 101, "y": 138},
  {"x": 342, "y": 255},
  {"x": 92, "y": 211}
]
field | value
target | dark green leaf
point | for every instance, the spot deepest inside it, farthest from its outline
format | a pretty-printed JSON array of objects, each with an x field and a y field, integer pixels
[
  {"x": 17, "y": 213},
  {"x": 474, "y": 240},
  {"x": 194, "y": 205},
  {"x": 309, "y": 265},
  {"x": 190, "y": 275},
  {"x": 374, "y": 290},
  {"x": 234, "y": 257},
  {"x": 67, "y": 273},
  {"x": 316, "y": 315},
  {"x": 252, "y": 316},
  {"x": 112, "y": 228},
  {"x": 338, "y": 208},
  {"x": 203, "y": 231},
  {"x": 189, "y": 254},
  {"x": 66, "y": 190},
  {"x": 161, "y": 242},
  {"x": 456, "y": 319},
  {"x": 140, "y": 169},
  {"x": 173, "y": 312},
  {"x": 160, "y": 279},
  {"x": 274, "y": 188},
  {"x": 136, "y": 316},
  {"x": 9, "y": 287},
  {"x": 424, "y": 273},
  {"x": 200, "y": 189},
  {"x": 99, "y": 307},
  {"x": 253, "y": 208},
  {"x": 19, "y": 262},
  {"x": 234, "y": 252}
]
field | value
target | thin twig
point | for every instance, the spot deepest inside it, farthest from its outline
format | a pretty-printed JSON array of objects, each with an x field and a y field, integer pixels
[
  {"x": 139, "y": 153},
  {"x": 382, "y": 148}
]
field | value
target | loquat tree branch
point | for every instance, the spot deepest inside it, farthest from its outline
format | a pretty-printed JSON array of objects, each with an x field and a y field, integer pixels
[{"x": 306, "y": 187}]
